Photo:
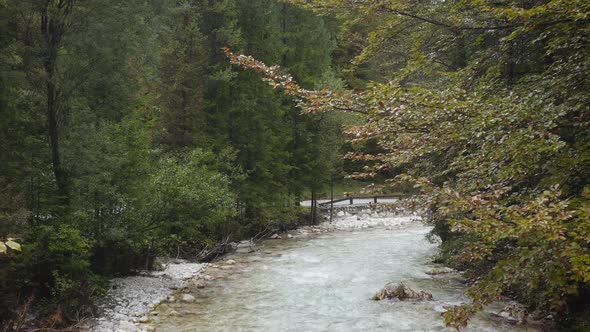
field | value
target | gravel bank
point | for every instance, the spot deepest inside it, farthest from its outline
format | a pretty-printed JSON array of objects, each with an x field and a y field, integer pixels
[{"x": 131, "y": 298}]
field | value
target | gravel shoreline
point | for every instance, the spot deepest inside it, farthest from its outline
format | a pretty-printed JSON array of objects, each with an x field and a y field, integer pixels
[{"x": 130, "y": 299}]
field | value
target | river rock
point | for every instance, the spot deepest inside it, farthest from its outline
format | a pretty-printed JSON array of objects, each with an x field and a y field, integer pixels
[
  {"x": 245, "y": 247},
  {"x": 514, "y": 312},
  {"x": 442, "y": 270},
  {"x": 401, "y": 292},
  {"x": 230, "y": 262},
  {"x": 340, "y": 214},
  {"x": 275, "y": 236},
  {"x": 289, "y": 236},
  {"x": 187, "y": 298}
]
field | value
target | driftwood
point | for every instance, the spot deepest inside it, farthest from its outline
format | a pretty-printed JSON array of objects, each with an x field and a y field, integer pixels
[
  {"x": 208, "y": 254},
  {"x": 224, "y": 247}
]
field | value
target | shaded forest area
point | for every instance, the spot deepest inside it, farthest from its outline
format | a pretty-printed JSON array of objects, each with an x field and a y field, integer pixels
[{"x": 127, "y": 135}]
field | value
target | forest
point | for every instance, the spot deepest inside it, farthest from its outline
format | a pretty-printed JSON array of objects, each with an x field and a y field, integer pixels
[{"x": 132, "y": 130}]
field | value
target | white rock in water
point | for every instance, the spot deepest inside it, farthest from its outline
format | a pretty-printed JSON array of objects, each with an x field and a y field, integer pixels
[
  {"x": 187, "y": 298},
  {"x": 275, "y": 236},
  {"x": 230, "y": 262},
  {"x": 289, "y": 236},
  {"x": 340, "y": 213}
]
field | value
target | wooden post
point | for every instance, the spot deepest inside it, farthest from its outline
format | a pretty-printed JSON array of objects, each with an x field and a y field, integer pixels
[
  {"x": 312, "y": 219},
  {"x": 331, "y": 198}
]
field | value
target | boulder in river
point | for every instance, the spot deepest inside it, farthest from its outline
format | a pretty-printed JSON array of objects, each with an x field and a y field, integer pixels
[
  {"x": 275, "y": 236},
  {"x": 401, "y": 292},
  {"x": 187, "y": 298}
]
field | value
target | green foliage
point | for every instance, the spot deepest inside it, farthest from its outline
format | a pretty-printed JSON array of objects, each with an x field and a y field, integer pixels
[
  {"x": 186, "y": 200},
  {"x": 127, "y": 135},
  {"x": 486, "y": 109}
]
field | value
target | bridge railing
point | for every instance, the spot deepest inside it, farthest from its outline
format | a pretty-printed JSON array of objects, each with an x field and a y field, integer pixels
[{"x": 374, "y": 199}]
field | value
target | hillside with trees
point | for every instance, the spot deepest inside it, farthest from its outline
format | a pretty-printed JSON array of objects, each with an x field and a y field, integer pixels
[
  {"x": 126, "y": 135},
  {"x": 485, "y": 107},
  {"x": 134, "y": 130}
]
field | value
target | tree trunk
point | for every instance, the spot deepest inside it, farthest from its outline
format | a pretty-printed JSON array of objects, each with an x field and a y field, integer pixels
[{"x": 53, "y": 20}]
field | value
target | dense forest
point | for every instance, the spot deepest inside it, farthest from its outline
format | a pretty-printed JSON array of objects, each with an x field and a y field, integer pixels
[
  {"x": 126, "y": 135},
  {"x": 132, "y": 130}
]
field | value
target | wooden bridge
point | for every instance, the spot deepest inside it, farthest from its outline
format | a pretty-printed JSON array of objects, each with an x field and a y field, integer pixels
[
  {"x": 330, "y": 204},
  {"x": 350, "y": 200}
]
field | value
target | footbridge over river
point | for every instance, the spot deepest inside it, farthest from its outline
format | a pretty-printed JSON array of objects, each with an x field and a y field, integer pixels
[{"x": 358, "y": 204}]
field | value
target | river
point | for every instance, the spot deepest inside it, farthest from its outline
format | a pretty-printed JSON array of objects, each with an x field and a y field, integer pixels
[{"x": 324, "y": 283}]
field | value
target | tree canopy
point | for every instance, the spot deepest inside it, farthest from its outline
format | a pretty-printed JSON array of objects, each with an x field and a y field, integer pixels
[{"x": 485, "y": 107}]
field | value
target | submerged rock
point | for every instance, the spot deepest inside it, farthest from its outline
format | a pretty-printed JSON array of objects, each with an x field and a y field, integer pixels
[{"x": 401, "y": 292}]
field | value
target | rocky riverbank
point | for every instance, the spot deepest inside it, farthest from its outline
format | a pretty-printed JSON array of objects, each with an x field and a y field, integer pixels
[
  {"x": 130, "y": 299},
  {"x": 133, "y": 302}
]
